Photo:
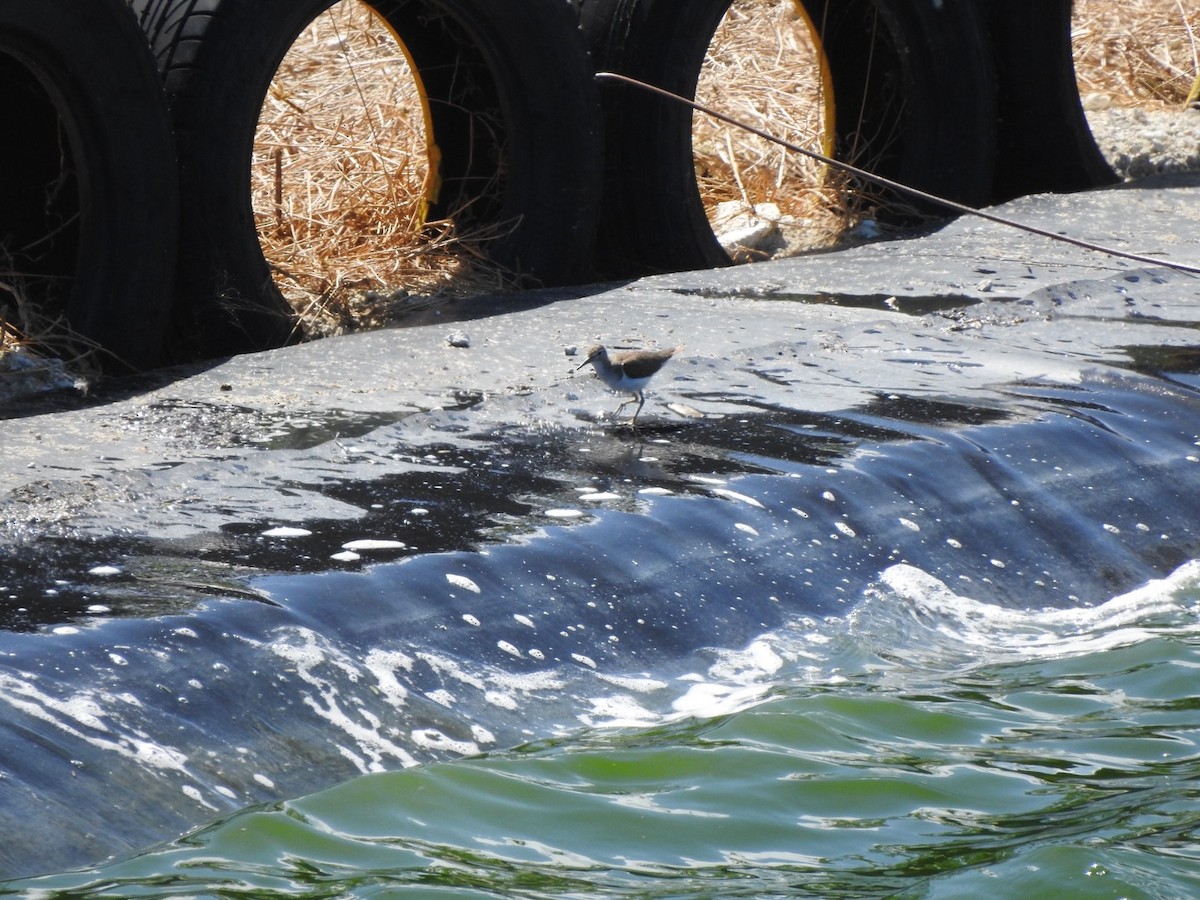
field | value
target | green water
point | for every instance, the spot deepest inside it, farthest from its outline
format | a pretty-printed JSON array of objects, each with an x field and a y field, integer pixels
[{"x": 925, "y": 746}]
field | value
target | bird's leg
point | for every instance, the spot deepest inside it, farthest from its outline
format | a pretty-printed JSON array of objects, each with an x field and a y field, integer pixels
[
  {"x": 625, "y": 403},
  {"x": 641, "y": 398}
]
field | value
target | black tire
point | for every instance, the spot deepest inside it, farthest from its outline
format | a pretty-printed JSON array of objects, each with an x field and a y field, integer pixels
[
  {"x": 88, "y": 198},
  {"x": 511, "y": 106},
  {"x": 1044, "y": 142},
  {"x": 914, "y": 95}
]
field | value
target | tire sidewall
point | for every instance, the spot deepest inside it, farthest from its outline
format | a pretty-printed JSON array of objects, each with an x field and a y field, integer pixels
[
  {"x": 93, "y": 63},
  {"x": 542, "y": 77},
  {"x": 945, "y": 120}
]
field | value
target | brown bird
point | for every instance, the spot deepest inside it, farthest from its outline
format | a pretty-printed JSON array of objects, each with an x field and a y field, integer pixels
[{"x": 627, "y": 371}]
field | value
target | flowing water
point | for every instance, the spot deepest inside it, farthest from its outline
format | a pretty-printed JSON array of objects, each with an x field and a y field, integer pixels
[
  {"x": 926, "y": 745},
  {"x": 918, "y": 648}
]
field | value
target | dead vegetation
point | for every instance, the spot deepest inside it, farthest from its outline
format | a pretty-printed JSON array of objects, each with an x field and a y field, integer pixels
[
  {"x": 340, "y": 179},
  {"x": 341, "y": 170},
  {"x": 763, "y": 68},
  {"x": 25, "y": 323},
  {"x": 1137, "y": 53}
]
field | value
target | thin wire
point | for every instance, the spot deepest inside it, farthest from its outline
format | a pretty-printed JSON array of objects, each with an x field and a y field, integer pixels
[{"x": 896, "y": 185}]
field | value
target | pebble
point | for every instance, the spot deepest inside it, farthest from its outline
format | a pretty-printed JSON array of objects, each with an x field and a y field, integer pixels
[{"x": 1142, "y": 142}]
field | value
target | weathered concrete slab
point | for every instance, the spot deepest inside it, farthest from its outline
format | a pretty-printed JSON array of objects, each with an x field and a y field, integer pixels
[{"x": 949, "y": 314}]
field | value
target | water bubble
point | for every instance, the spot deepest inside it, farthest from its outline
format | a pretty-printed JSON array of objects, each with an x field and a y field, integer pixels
[
  {"x": 373, "y": 544},
  {"x": 740, "y": 498},
  {"x": 286, "y": 531},
  {"x": 462, "y": 581}
]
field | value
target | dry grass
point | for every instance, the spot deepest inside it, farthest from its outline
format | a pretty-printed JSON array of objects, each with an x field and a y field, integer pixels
[
  {"x": 341, "y": 162},
  {"x": 11, "y": 336},
  {"x": 340, "y": 179},
  {"x": 763, "y": 68},
  {"x": 1143, "y": 53},
  {"x": 26, "y": 323}
]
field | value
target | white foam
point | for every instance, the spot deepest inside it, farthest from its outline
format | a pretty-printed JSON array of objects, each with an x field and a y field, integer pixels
[
  {"x": 708, "y": 699},
  {"x": 510, "y": 649},
  {"x": 193, "y": 793},
  {"x": 312, "y": 656},
  {"x": 502, "y": 699},
  {"x": 481, "y": 734},
  {"x": 432, "y": 739},
  {"x": 737, "y": 497},
  {"x": 441, "y": 697},
  {"x": 89, "y": 716},
  {"x": 937, "y": 620},
  {"x": 286, "y": 531},
  {"x": 639, "y": 684},
  {"x": 462, "y": 581},
  {"x": 759, "y": 660},
  {"x": 384, "y": 664},
  {"x": 618, "y": 711},
  {"x": 369, "y": 544}
]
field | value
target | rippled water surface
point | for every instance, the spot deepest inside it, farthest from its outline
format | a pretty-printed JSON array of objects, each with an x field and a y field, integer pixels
[
  {"x": 924, "y": 746},
  {"x": 933, "y": 644}
]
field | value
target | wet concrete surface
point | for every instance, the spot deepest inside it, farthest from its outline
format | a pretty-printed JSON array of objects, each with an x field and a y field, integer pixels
[
  {"x": 191, "y": 624},
  {"x": 952, "y": 315}
]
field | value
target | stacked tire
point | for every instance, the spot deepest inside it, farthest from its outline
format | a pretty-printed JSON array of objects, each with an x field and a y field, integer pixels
[
  {"x": 125, "y": 203},
  {"x": 510, "y": 103},
  {"x": 974, "y": 102},
  {"x": 88, "y": 202}
]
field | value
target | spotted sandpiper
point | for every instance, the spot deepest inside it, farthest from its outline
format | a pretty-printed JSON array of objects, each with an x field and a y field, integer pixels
[{"x": 627, "y": 371}]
